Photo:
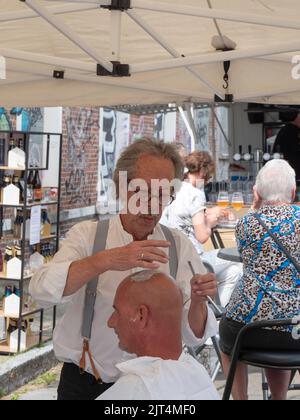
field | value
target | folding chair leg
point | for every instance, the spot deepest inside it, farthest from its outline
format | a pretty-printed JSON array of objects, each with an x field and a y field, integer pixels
[
  {"x": 217, "y": 350},
  {"x": 216, "y": 371},
  {"x": 265, "y": 387},
  {"x": 294, "y": 387}
]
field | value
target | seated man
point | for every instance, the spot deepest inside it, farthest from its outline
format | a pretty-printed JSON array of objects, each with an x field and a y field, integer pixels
[{"x": 147, "y": 320}]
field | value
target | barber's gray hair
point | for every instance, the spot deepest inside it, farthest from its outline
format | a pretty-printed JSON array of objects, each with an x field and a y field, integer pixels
[
  {"x": 146, "y": 146},
  {"x": 276, "y": 181},
  {"x": 146, "y": 275}
]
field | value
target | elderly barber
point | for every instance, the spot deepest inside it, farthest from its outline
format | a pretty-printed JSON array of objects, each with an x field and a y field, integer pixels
[{"x": 95, "y": 258}]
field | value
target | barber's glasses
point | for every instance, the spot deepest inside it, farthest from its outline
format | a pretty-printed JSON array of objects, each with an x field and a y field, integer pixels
[{"x": 163, "y": 198}]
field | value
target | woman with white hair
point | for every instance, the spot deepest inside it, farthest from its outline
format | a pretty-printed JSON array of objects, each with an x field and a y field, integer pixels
[{"x": 270, "y": 286}]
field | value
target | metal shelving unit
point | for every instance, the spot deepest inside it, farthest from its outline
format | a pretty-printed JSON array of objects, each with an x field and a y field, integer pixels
[{"x": 38, "y": 338}]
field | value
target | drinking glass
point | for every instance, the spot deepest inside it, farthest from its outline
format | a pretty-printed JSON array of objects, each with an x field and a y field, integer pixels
[
  {"x": 237, "y": 201},
  {"x": 223, "y": 199}
]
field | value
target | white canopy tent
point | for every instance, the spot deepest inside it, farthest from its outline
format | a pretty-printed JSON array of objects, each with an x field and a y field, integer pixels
[{"x": 174, "y": 51}]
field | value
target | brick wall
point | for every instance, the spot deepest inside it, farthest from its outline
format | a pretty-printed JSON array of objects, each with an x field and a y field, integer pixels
[
  {"x": 141, "y": 126},
  {"x": 80, "y": 157}
]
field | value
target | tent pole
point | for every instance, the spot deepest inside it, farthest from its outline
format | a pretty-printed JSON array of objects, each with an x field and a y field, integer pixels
[
  {"x": 55, "y": 10},
  {"x": 221, "y": 14},
  {"x": 191, "y": 129},
  {"x": 173, "y": 52},
  {"x": 60, "y": 63},
  {"x": 72, "y": 36},
  {"x": 115, "y": 34},
  {"x": 220, "y": 125},
  {"x": 217, "y": 57}
]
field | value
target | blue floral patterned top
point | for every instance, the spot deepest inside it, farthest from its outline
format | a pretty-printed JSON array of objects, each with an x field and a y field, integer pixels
[{"x": 270, "y": 286}]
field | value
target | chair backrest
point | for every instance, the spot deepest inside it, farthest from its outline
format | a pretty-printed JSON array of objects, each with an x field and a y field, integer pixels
[{"x": 238, "y": 347}]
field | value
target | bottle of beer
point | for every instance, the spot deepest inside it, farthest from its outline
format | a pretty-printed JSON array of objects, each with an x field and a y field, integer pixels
[
  {"x": 20, "y": 143},
  {"x": 21, "y": 186},
  {"x": 2, "y": 151},
  {"x": 18, "y": 224},
  {"x": 37, "y": 187},
  {"x": 18, "y": 252},
  {"x": 8, "y": 291},
  {"x": 7, "y": 257},
  {"x": 6, "y": 182},
  {"x": 16, "y": 291},
  {"x": 12, "y": 143},
  {"x": 30, "y": 186}
]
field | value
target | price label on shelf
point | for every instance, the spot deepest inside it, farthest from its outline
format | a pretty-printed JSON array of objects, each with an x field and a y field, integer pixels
[{"x": 35, "y": 225}]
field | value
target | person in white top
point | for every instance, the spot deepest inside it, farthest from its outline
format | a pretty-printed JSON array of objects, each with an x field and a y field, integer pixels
[
  {"x": 134, "y": 242},
  {"x": 189, "y": 214},
  {"x": 147, "y": 320}
]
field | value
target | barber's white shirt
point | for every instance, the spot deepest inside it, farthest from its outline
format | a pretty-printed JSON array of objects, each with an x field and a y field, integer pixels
[
  {"x": 149, "y": 378},
  {"x": 48, "y": 284}
]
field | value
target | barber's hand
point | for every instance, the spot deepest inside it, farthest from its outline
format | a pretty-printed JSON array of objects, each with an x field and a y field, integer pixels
[
  {"x": 144, "y": 254},
  {"x": 203, "y": 286}
]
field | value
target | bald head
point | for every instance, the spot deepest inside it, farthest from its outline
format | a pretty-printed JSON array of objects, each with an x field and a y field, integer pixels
[
  {"x": 148, "y": 310},
  {"x": 155, "y": 290}
]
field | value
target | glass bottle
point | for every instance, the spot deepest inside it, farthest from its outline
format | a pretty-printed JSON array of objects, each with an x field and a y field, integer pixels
[
  {"x": 18, "y": 251},
  {"x": 37, "y": 187},
  {"x": 30, "y": 181},
  {"x": 6, "y": 183},
  {"x": 7, "y": 257},
  {"x": 12, "y": 143}
]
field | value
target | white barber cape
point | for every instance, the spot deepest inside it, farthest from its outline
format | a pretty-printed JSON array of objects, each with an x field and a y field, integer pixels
[
  {"x": 48, "y": 284},
  {"x": 149, "y": 378}
]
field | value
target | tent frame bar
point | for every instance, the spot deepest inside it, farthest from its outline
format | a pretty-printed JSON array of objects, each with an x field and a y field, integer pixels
[
  {"x": 115, "y": 34},
  {"x": 216, "y": 57},
  {"x": 55, "y": 10},
  {"x": 221, "y": 14},
  {"x": 68, "y": 33},
  {"x": 173, "y": 52}
]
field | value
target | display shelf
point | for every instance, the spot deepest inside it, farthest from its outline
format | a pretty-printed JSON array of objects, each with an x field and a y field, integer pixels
[
  {"x": 25, "y": 314},
  {"x": 22, "y": 205},
  {"x": 31, "y": 342},
  {"x": 11, "y": 238},
  {"x": 7, "y": 168},
  {"x": 7, "y": 279},
  {"x": 44, "y": 164}
]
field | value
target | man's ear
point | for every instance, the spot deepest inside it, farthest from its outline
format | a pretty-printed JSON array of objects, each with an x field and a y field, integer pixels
[
  {"x": 294, "y": 192},
  {"x": 143, "y": 316}
]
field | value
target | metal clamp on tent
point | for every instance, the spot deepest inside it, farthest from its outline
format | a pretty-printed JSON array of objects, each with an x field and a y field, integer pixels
[
  {"x": 118, "y": 5},
  {"x": 58, "y": 74},
  {"x": 119, "y": 70}
]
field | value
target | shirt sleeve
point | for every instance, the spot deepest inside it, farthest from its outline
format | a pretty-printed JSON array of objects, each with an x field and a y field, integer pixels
[
  {"x": 127, "y": 388},
  {"x": 187, "y": 253},
  {"x": 197, "y": 201},
  {"x": 48, "y": 283}
]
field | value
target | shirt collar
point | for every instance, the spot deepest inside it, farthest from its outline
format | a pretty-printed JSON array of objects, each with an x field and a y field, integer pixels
[
  {"x": 157, "y": 233},
  {"x": 144, "y": 364}
]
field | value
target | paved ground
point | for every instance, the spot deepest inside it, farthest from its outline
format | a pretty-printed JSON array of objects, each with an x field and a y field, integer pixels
[{"x": 45, "y": 387}]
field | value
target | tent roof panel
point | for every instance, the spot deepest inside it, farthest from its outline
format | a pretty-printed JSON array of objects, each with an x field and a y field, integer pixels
[{"x": 188, "y": 35}]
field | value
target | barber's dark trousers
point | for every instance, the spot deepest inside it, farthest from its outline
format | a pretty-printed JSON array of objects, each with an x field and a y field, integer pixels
[{"x": 76, "y": 387}]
